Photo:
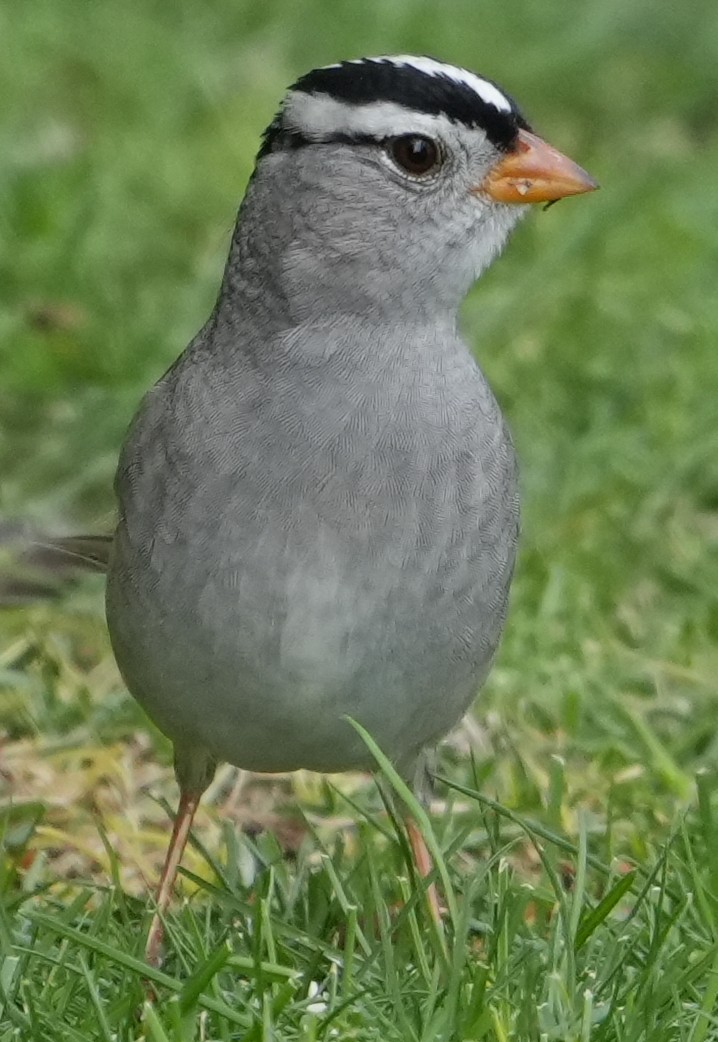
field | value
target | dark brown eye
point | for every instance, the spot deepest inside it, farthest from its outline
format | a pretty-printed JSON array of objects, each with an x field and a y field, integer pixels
[{"x": 415, "y": 154}]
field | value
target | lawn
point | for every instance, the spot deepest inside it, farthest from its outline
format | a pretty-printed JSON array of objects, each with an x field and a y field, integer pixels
[{"x": 576, "y": 815}]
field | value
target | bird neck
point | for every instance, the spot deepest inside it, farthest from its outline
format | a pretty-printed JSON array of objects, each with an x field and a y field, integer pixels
[{"x": 296, "y": 259}]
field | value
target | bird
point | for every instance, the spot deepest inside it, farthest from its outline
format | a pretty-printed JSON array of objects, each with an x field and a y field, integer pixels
[{"x": 318, "y": 507}]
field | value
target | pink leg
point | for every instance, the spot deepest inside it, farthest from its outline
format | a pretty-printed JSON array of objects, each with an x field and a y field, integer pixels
[
  {"x": 424, "y": 866},
  {"x": 188, "y": 804}
]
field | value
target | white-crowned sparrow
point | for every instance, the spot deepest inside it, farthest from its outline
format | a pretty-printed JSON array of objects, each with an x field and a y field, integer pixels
[{"x": 318, "y": 506}]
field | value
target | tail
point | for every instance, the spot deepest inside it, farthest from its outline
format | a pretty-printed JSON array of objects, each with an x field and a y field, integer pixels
[{"x": 33, "y": 567}]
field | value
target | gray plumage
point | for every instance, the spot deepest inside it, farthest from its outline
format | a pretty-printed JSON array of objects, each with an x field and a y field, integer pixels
[{"x": 318, "y": 508}]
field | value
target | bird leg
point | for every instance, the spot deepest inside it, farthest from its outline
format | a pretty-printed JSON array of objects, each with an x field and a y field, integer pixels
[
  {"x": 419, "y": 775},
  {"x": 424, "y": 866},
  {"x": 194, "y": 770},
  {"x": 189, "y": 801}
]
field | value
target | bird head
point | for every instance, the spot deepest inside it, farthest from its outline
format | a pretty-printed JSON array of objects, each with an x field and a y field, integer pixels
[{"x": 392, "y": 182}]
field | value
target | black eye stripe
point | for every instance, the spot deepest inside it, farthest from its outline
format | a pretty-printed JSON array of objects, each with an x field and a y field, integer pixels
[
  {"x": 279, "y": 140},
  {"x": 289, "y": 141}
]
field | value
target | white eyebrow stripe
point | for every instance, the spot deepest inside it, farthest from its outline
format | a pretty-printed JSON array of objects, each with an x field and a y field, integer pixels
[
  {"x": 320, "y": 116},
  {"x": 485, "y": 90}
]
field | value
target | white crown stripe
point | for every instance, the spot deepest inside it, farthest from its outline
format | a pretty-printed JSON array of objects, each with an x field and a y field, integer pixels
[
  {"x": 320, "y": 116},
  {"x": 488, "y": 93}
]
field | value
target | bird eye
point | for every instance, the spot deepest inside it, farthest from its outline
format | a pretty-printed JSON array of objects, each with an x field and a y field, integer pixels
[{"x": 415, "y": 154}]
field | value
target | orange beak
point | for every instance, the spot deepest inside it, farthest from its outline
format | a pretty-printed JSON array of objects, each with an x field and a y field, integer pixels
[{"x": 534, "y": 172}]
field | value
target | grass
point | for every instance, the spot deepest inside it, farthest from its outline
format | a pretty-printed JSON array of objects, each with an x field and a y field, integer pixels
[{"x": 578, "y": 829}]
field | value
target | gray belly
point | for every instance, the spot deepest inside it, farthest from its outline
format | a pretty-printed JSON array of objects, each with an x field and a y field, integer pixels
[
  {"x": 291, "y": 561},
  {"x": 257, "y": 637}
]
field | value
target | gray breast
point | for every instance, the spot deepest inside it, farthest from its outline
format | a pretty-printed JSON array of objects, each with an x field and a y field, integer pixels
[{"x": 290, "y": 554}]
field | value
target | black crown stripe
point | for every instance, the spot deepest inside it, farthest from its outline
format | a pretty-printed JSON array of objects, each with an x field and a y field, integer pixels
[{"x": 372, "y": 80}]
